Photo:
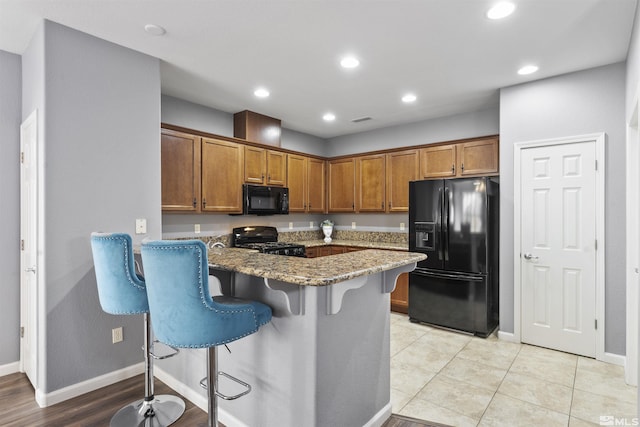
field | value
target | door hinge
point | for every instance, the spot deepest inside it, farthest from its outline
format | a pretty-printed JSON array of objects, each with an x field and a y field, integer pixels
[
  {"x": 21, "y": 331},
  {"x": 22, "y": 244},
  {"x": 22, "y": 157},
  {"x": 596, "y": 244},
  {"x": 596, "y": 323},
  {"x": 596, "y": 165}
]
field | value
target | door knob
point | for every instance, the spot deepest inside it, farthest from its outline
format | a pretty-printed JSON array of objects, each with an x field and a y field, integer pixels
[
  {"x": 530, "y": 257},
  {"x": 30, "y": 270}
]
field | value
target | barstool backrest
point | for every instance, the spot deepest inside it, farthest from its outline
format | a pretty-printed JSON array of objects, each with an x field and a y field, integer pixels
[
  {"x": 120, "y": 290},
  {"x": 183, "y": 312}
]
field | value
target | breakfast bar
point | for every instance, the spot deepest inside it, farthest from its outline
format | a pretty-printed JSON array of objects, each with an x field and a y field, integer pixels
[{"x": 324, "y": 358}]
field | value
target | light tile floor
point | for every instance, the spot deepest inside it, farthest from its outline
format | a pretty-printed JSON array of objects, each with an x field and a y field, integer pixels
[{"x": 461, "y": 380}]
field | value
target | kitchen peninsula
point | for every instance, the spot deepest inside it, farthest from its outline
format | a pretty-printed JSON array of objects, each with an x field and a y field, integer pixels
[{"x": 324, "y": 358}]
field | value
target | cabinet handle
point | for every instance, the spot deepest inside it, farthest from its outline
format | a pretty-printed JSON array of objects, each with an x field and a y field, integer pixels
[
  {"x": 204, "y": 203},
  {"x": 195, "y": 202},
  {"x": 462, "y": 167},
  {"x": 382, "y": 205},
  {"x": 453, "y": 169},
  {"x": 389, "y": 205}
]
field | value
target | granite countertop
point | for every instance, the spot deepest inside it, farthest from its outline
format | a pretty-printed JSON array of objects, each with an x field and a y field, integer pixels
[
  {"x": 320, "y": 271},
  {"x": 356, "y": 243}
]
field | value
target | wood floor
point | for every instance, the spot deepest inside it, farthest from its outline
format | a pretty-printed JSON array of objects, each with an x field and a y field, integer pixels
[{"x": 19, "y": 409}]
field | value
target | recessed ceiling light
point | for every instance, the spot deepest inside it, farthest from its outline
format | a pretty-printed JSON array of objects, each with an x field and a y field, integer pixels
[
  {"x": 329, "y": 117},
  {"x": 261, "y": 92},
  {"x": 349, "y": 62},
  {"x": 527, "y": 69},
  {"x": 155, "y": 30},
  {"x": 408, "y": 98},
  {"x": 501, "y": 10}
]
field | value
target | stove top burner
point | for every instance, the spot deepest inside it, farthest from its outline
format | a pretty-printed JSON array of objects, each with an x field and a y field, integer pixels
[{"x": 265, "y": 240}]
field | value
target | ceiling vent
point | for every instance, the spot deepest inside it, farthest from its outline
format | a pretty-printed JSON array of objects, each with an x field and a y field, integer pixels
[{"x": 361, "y": 119}]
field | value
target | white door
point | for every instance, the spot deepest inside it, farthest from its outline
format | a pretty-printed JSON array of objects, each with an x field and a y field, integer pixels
[
  {"x": 28, "y": 246},
  {"x": 558, "y": 246}
]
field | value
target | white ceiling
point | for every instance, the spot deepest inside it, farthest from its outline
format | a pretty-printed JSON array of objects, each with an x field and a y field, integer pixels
[{"x": 216, "y": 52}]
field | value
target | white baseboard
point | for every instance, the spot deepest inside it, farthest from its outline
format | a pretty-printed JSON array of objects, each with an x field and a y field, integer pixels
[
  {"x": 507, "y": 336},
  {"x": 615, "y": 359},
  {"x": 9, "y": 368},
  {"x": 75, "y": 390},
  {"x": 381, "y": 417}
]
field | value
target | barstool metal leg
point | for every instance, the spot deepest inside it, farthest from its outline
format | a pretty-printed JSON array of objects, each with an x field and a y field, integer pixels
[
  {"x": 152, "y": 411},
  {"x": 212, "y": 385}
]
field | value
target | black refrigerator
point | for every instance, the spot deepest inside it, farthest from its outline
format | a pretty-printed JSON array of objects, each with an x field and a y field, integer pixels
[{"x": 455, "y": 222}]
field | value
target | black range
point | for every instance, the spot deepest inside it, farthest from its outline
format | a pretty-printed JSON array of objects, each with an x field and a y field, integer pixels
[{"x": 265, "y": 240}]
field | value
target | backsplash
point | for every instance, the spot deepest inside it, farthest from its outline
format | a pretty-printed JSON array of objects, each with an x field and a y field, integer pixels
[{"x": 311, "y": 235}]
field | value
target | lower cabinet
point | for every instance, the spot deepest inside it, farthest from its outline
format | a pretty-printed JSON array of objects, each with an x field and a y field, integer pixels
[{"x": 399, "y": 297}]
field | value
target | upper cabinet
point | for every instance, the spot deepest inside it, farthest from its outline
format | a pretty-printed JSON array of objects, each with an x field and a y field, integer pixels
[
  {"x": 402, "y": 167},
  {"x": 222, "y": 165},
  {"x": 470, "y": 158},
  {"x": 264, "y": 167},
  {"x": 180, "y": 160},
  {"x": 371, "y": 185},
  {"x": 306, "y": 181},
  {"x": 342, "y": 185}
]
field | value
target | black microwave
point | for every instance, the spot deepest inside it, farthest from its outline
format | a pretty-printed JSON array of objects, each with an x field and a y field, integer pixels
[{"x": 262, "y": 200}]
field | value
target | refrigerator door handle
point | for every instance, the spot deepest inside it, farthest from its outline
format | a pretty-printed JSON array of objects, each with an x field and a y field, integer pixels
[
  {"x": 445, "y": 224},
  {"x": 438, "y": 233},
  {"x": 465, "y": 277}
]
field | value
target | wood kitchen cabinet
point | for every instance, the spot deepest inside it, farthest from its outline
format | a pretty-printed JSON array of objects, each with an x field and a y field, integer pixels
[
  {"x": 470, "y": 158},
  {"x": 371, "y": 184},
  {"x": 264, "y": 167},
  {"x": 222, "y": 166},
  {"x": 402, "y": 167},
  {"x": 342, "y": 185},
  {"x": 306, "y": 183},
  {"x": 180, "y": 161},
  {"x": 400, "y": 295}
]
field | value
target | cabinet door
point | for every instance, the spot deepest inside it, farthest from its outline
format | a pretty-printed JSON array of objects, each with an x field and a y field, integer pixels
[
  {"x": 438, "y": 162},
  {"x": 400, "y": 295},
  {"x": 478, "y": 157},
  {"x": 316, "y": 189},
  {"x": 276, "y": 168},
  {"x": 342, "y": 180},
  {"x": 255, "y": 161},
  {"x": 324, "y": 251},
  {"x": 402, "y": 167},
  {"x": 222, "y": 164},
  {"x": 180, "y": 160},
  {"x": 297, "y": 182},
  {"x": 371, "y": 183}
]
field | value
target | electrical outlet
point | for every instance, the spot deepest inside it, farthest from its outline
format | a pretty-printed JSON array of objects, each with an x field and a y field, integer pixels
[
  {"x": 116, "y": 335},
  {"x": 141, "y": 226},
  {"x": 353, "y": 225},
  {"x": 310, "y": 224},
  {"x": 290, "y": 226},
  {"x": 402, "y": 226},
  {"x": 196, "y": 228}
]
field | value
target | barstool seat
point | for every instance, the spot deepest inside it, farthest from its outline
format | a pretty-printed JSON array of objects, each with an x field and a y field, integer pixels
[
  {"x": 123, "y": 292},
  {"x": 184, "y": 313}
]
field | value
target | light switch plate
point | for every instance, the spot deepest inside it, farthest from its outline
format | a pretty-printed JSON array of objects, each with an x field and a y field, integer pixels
[
  {"x": 196, "y": 228},
  {"x": 353, "y": 225},
  {"x": 141, "y": 226},
  {"x": 402, "y": 226}
]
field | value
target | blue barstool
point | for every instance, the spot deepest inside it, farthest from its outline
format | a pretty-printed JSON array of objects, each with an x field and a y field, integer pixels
[
  {"x": 122, "y": 291},
  {"x": 184, "y": 313}
]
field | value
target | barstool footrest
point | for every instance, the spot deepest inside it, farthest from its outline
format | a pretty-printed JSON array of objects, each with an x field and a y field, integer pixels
[
  {"x": 203, "y": 384},
  {"x": 166, "y": 356}
]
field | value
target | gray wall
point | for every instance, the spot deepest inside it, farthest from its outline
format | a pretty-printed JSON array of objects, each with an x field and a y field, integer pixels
[
  {"x": 102, "y": 151},
  {"x": 183, "y": 113},
  {"x": 10, "y": 119},
  {"x": 467, "y": 125},
  {"x": 579, "y": 103}
]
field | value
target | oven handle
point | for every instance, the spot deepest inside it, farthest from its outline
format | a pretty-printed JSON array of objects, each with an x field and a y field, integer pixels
[{"x": 466, "y": 277}]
